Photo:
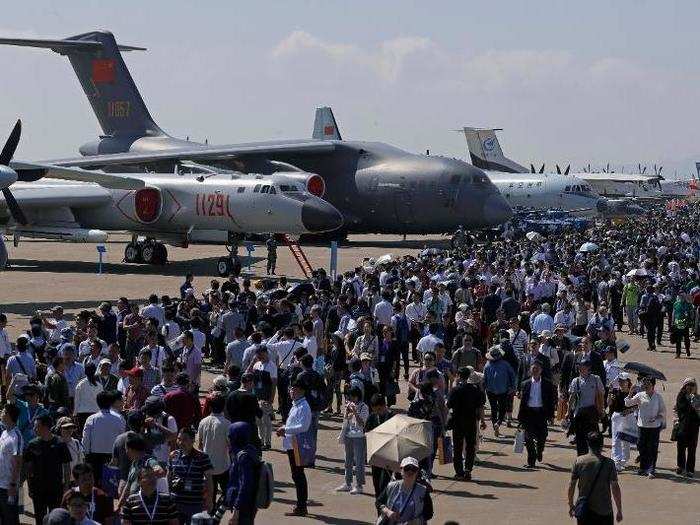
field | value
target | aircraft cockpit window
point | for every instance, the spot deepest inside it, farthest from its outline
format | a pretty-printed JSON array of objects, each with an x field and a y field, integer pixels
[
  {"x": 577, "y": 188},
  {"x": 257, "y": 188},
  {"x": 539, "y": 184},
  {"x": 273, "y": 191},
  {"x": 265, "y": 189},
  {"x": 241, "y": 189},
  {"x": 568, "y": 188}
]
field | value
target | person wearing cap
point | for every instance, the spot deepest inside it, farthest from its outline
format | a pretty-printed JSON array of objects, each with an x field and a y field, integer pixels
[
  {"x": 46, "y": 458},
  {"x": 406, "y": 500},
  {"x": 21, "y": 363},
  {"x": 104, "y": 376},
  {"x": 54, "y": 323},
  {"x": 499, "y": 382},
  {"x": 65, "y": 428},
  {"x": 687, "y": 409},
  {"x": 538, "y": 401},
  {"x": 298, "y": 422},
  {"x": 586, "y": 400},
  {"x": 136, "y": 393},
  {"x": 622, "y": 419}
]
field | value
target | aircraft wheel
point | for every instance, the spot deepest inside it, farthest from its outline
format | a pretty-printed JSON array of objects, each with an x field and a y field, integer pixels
[
  {"x": 132, "y": 253},
  {"x": 224, "y": 266},
  {"x": 148, "y": 252},
  {"x": 160, "y": 256}
]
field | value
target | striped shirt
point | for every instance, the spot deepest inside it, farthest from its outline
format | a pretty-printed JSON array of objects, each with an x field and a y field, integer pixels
[
  {"x": 186, "y": 474},
  {"x": 138, "y": 509}
]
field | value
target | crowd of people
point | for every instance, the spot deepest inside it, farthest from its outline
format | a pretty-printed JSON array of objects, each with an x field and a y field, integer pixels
[{"x": 105, "y": 419}]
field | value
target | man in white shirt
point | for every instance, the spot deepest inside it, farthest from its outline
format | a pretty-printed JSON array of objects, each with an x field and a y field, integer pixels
[
  {"x": 309, "y": 341},
  {"x": 212, "y": 438},
  {"x": 383, "y": 310},
  {"x": 427, "y": 343},
  {"x": 5, "y": 346},
  {"x": 236, "y": 348},
  {"x": 10, "y": 464},
  {"x": 154, "y": 311},
  {"x": 281, "y": 347}
]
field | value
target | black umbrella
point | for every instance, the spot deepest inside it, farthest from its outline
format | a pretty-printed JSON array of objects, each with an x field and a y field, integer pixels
[
  {"x": 305, "y": 288},
  {"x": 645, "y": 370}
]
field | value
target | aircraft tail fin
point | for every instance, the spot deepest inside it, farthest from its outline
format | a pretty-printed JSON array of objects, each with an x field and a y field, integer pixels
[
  {"x": 105, "y": 79},
  {"x": 325, "y": 126},
  {"x": 486, "y": 153}
]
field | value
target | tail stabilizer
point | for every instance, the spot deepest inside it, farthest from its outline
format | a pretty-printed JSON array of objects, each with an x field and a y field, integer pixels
[
  {"x": 486, "y": 153},
  {"x": 325, "y": 126},
  {"x": 97, "y": 61}
]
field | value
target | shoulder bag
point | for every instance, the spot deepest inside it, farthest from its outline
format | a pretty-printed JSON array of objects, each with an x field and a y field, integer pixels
[
  {"x": 581, "y": 505},
  {"x": 383, "y": 520}
]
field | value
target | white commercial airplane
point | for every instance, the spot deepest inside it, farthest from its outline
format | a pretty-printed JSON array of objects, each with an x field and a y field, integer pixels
[{"x": 574, "y": 189}]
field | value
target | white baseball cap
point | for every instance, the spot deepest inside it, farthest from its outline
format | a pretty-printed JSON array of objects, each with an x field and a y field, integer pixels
[{"x": 409, "y": 461}]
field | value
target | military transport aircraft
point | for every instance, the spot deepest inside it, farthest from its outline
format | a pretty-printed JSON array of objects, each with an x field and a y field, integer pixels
[
  {"x": 207, "y": 206},
  {"x": 378, "y": 188}
]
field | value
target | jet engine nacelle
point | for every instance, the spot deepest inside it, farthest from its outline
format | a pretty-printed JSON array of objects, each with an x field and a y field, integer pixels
[
  {"x": 148, "y": 205},
  {"x": 312, "y": 182}
]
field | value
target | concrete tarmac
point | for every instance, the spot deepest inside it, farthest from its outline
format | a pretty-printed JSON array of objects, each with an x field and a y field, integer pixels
[{"x": 47, "y": 273}]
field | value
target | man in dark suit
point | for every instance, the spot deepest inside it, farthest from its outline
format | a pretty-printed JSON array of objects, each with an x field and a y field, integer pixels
[
  {"x": 538, "y": 401},
  {"x": 466, "y": 400}
]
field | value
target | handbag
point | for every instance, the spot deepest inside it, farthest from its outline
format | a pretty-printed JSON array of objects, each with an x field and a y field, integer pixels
[
  {"x": 674, "y": 431},
  {"x": 581, "y": 505},
  {"x": 519, "y": 442},
  {"x": 445, "y": 450},
  {"x": 383, "y": 520}
]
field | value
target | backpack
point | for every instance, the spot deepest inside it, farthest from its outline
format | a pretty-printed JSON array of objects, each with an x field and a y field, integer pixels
[{"x": 265, "y": 487}]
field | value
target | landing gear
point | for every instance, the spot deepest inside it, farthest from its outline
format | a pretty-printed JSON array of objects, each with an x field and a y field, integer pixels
[
  {"x": 148, "y": 252},
  {"x": 231, "y": 264}
]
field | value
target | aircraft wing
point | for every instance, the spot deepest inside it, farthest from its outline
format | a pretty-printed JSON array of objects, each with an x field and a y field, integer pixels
[
  {"x": 213, "y": 153},
  {"x": 106, "y": 180},
  {"x": 54, "y": 195},
  {"x": 620, "y": 177}
]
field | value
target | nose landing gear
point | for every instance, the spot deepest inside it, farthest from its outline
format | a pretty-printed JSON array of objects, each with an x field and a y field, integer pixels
[{"x": 148, "y": 251}]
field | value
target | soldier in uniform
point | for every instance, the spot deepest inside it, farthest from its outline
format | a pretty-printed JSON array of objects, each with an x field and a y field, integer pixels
[{"x": 271, "y": 244}]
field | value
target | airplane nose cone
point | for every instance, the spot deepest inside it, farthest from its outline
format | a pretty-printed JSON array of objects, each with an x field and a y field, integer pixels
[
  {"x": 496, "y": 210},
  {"x": 319, "y": 216}
]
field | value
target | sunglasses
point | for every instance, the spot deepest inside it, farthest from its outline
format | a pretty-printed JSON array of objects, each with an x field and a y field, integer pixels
[{"x": 410, "y": 470}]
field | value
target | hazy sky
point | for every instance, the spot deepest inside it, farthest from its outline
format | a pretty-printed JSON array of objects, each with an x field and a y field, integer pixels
[{"x": 596, "y": 81}]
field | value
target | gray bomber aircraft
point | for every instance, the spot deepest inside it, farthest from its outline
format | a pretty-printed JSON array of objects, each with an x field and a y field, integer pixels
[
  {"x": 205, "y": 206},
  {"x": 378, "y": 188}
]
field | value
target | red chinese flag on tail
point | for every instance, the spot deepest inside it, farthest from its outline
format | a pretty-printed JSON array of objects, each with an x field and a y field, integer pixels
[
  {"x": 329, "y": 130},
  {"x": 103, "y": 70}
]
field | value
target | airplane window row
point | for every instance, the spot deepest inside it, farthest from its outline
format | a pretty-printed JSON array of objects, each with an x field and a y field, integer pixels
[{"x": 522, "y": 184}]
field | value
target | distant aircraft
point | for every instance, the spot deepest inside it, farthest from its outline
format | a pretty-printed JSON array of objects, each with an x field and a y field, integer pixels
[
  {"x": 528, "y": 190},
  {"x": 378, "y": 188},
  {"x": 207, "y": 206},
  {"x": 486, "y": 153}
]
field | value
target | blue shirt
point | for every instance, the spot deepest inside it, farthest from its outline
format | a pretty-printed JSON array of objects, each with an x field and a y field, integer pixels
[
  {"x": 101, "y": 430},
  {"x": 74, "y": 374},
  {"x": 499, "y": 377},
  {"x": 298, "y": 421},
  {"x": 14, "y": 366},
  {"x": 27, "y": 415}
]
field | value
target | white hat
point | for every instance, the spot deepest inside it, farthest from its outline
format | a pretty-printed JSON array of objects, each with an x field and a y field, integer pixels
[{"x": 409, "y": 461}]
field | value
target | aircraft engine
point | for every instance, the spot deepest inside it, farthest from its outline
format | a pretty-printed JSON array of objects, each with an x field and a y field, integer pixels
[
  {"x": 148, "y": 205},
  {"x": 312, "y": 182}
]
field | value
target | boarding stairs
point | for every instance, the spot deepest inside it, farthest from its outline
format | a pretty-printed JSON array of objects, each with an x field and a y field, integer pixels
[{"x": 298, "y": 254}]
